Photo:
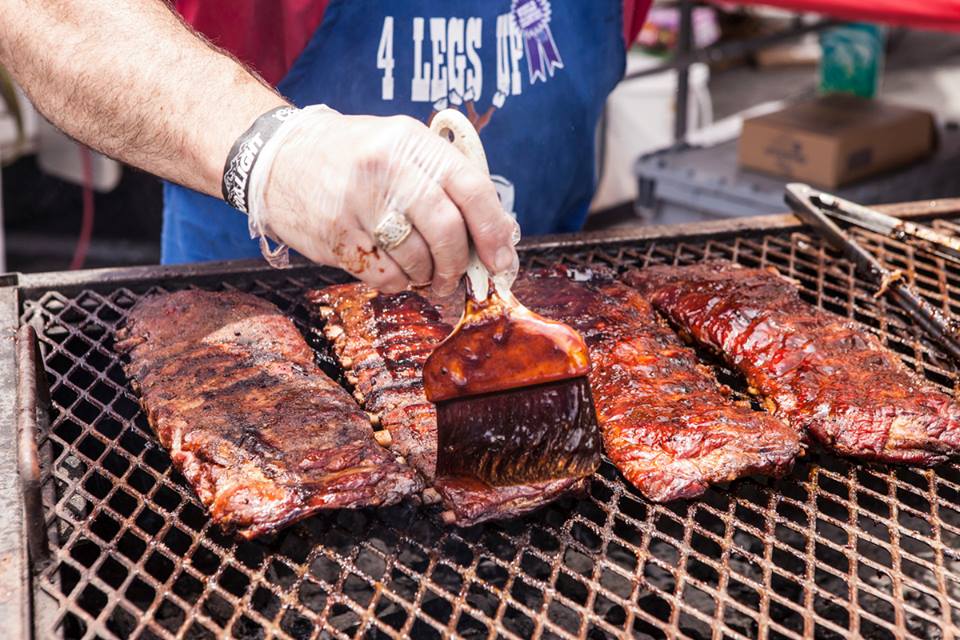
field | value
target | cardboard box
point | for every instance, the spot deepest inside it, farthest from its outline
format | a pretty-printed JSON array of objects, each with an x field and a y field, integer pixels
[{"x": 833, "y": 140}]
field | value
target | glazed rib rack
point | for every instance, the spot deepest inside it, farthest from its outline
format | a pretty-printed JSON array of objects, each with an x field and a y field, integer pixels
[{"x": 121, "y": 547}]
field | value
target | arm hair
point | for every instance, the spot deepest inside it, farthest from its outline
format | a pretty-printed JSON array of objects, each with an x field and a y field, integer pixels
[{"x": 132, "y": 80}]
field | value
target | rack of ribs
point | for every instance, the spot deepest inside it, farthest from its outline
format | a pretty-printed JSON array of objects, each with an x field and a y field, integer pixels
[
  {"x": 381, "y": 342},
  {"x": 262, "y": 435},
  {"x": 822, "y": 374},
  {"x": 666, "y": 423}
]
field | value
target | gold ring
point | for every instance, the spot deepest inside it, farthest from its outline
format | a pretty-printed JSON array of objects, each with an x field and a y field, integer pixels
[{"x": 392, "y": 230}]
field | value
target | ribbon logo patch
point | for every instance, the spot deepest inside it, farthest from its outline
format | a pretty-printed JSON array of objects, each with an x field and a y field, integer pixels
[{"x": 532, "y": 18}]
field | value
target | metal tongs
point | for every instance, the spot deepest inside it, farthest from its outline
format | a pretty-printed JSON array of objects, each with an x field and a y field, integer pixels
[{"x": 820, "y": 210}]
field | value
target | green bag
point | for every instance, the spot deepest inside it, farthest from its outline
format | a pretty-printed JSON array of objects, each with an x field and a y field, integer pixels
[{"x": 852, "y": 59}]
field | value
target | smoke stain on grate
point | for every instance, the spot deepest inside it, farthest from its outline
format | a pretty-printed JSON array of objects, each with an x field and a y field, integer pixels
[{"x": 836, "y": 550}]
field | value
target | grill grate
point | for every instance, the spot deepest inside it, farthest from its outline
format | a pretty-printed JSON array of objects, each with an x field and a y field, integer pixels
[{"x": 835, "y": 550}]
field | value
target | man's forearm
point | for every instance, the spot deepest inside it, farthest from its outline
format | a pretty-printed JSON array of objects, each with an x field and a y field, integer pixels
[{"x": 131, "y": 80}]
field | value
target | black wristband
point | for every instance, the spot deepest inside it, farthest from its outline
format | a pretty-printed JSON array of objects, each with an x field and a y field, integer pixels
[{"x": 244, "y": 153}]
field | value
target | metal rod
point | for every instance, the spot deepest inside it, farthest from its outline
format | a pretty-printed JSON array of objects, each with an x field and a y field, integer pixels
[
  {"x": 942, "y": 329},
  {"x": 3, "y": 241},
  {"x": 920, "y": 236},
  {"x": 684, "y": 44},
  {"x": 718, "y": 53},
  {"x": 32, "y": 413},
  {"x": 16, "y": 605}
]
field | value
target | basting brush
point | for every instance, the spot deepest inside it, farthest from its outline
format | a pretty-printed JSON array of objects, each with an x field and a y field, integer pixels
[{"x": 511, "y": 391}]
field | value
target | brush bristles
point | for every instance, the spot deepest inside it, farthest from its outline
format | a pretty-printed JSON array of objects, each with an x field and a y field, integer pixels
[{"x": 525, "y": 435}]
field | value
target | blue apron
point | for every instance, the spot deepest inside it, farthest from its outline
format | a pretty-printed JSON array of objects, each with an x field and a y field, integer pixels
[{"x": 533, "y": 75}]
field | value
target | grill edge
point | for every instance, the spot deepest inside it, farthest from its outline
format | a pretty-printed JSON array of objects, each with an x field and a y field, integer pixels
[{"x": 837, "y": 550}]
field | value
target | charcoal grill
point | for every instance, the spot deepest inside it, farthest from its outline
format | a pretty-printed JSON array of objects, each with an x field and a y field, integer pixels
[{"x": 102, "y": 538}]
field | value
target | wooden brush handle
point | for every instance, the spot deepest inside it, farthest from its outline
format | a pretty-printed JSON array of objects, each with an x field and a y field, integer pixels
[{"x": 452, "y": 125}]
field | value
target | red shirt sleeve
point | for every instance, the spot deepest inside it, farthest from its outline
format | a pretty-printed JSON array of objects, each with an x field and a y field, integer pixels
[
  {"x": 268, "y": 36},
  {"x": 634, "y": 15}
]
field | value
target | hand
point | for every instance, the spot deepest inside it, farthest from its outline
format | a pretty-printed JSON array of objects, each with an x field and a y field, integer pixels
[{"x": 336, "y": 177}]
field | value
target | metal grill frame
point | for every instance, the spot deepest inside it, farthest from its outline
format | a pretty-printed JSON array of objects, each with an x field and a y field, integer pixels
[{"x": 713, "y": 542}]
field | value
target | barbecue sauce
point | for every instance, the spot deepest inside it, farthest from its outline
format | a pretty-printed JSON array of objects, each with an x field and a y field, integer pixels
[
  {"x": 500, "y": 345},
  {"x": 513, "y": 401}
]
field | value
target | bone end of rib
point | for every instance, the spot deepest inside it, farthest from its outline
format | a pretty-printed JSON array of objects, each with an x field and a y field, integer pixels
[
  {"x": 383, "y": 438},
  {"x": 333, "y": 331}
]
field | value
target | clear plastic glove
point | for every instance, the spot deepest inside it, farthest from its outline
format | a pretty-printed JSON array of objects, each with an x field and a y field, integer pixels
[{"x": 326, "y": 182}]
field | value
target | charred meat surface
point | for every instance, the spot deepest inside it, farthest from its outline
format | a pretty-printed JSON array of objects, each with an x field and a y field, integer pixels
[
  {"x": 382, "y": 342},
  {"x": 666, "y": 423},
  {"x": 264, "y": 437},
  {"x": 821, "y": 373}
]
